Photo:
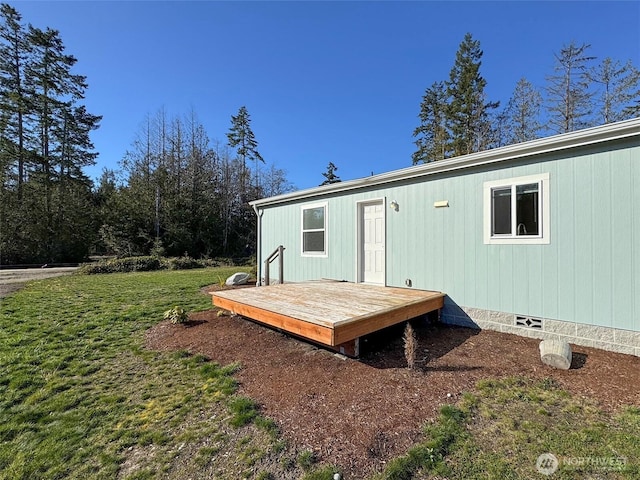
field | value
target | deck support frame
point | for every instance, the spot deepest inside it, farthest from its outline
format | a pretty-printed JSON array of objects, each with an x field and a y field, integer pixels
[{"x": 334, "y": 314}]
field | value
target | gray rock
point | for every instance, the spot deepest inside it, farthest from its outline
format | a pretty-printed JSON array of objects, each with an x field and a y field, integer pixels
[
  {"x": 239, "y": 278},
  {"x": 556, "y": 354}
]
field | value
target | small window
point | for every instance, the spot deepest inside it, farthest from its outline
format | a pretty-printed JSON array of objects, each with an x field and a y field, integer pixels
[
  {"x": 516, "y": 210},
  {"x": 314, "y": 229}
]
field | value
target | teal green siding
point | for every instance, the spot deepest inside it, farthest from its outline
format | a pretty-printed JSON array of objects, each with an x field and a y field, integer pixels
[{"x": 588, "y": 273}]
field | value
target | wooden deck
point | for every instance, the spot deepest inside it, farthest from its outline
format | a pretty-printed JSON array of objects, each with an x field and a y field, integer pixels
[{"x": 328, "y": 312}]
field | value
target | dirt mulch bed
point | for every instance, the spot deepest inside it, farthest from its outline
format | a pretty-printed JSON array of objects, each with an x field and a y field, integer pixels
[{"x": 358, "y": 414}]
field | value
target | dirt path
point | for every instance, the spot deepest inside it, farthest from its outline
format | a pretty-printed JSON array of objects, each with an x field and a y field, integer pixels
[{"x": 14, "y": 279}]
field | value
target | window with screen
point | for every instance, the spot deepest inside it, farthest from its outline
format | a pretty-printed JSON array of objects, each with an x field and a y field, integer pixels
[
  {"x": 314, "y": 230},
  {"x": 516, "y": 210}
]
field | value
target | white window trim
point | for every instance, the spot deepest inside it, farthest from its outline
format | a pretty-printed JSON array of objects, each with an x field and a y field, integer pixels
[
  {"x": 326, "y": 229},
  {"x": 544, "y": 238}
]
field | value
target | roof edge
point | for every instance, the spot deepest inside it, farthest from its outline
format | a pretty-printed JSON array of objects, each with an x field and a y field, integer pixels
[{"x": 564, "y": 141}]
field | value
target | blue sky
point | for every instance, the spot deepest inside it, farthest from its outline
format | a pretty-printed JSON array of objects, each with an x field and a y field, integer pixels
[{"x": 323, "y": 81}]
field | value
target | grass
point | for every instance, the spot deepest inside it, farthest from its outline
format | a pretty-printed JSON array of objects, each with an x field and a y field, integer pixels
[
  {"x": 80, "y": 396},
  {"x": 499, "y": 431},
  {"x": 306, "y": 459}
]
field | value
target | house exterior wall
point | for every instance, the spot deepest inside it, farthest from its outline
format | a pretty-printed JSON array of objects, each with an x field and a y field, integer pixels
[{"x": 588, "y": 274}]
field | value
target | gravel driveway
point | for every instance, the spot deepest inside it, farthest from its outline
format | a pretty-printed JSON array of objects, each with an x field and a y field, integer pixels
[{"x": 14, "y": 279}]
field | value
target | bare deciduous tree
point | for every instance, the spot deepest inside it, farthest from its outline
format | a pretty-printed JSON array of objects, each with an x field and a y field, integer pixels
[
  {"x": 568, "y": 96},
  {"x": 619, "y": 90}
]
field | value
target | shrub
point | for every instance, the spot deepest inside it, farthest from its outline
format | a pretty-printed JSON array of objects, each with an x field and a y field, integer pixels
[
  {"x": 122, "y": 265},
  {"x": 183, "y": 263},
  {"x": 209, "y": 262},
  {"x": 158, "y": 248},
  {"x": 176, "y": 315},
  {"x": 148, "y": 263}
]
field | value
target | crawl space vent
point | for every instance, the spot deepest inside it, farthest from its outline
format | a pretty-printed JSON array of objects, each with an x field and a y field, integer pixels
[{"x": 528, "y": 322}]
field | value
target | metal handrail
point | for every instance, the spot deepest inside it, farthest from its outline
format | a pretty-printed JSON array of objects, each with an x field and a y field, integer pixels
[{"x": 277, "y": 253}]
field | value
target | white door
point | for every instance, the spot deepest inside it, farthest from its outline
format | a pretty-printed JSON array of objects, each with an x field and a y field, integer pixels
[{"x": 372, "y": 242}]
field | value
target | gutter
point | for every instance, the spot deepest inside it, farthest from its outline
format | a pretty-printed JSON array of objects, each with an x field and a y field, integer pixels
[{"x": 556, "y": 143}]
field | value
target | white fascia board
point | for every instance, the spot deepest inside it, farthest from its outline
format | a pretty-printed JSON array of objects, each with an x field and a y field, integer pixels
[{"x": 576, "y": 139}]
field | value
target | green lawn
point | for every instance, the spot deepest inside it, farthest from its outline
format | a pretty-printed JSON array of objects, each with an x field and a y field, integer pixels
[
  {"x": 79, "y": 394},
  {"x": 80, "y": 397},
  {"x": 500, "y": 431}
]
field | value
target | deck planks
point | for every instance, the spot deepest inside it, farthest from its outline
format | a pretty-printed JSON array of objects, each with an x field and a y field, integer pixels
[{"x": 329, "y": 312}]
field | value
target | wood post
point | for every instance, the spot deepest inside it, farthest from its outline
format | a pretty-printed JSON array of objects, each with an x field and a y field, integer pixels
[
  {"x": 278, "y": 252},
  {"x": 350, "y": 348}
]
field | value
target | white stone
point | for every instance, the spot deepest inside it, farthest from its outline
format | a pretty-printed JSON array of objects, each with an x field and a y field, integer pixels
[
  {"x": 556, "y": 354},
  {"x": 239, "y": 278}
]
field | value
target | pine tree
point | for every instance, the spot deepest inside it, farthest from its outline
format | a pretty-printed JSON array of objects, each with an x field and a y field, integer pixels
[
  {"x": 241, "y": 136},
  {"x": 46, "y": 211},
  {"x": 432, "y": 132},
  {"x": 14, "y": 51},
  {"x": 62, "y": 144},
  {"x": 568, "y": 95},
  {"x": 619, "y": 89},
  {"x": 468, "y": 111},
  {"x": 330, "y": 175}
]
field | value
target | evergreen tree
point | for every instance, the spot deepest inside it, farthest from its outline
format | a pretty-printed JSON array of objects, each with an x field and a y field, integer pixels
[
  {"x": 241, "y": 136},
  {"x": 180, "y": 193},
  {"x": 62, "y": 143},
  {"x": 46, "y": 204},
  {"x": 432, "y": 132},
  {"x": 14, "y": 51},
  {"x": 569, "y": 99},
  {"x": 330, "y": 175},
  {"x": 619, "y": 88},
  {"x": 468, "y": 111}
]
